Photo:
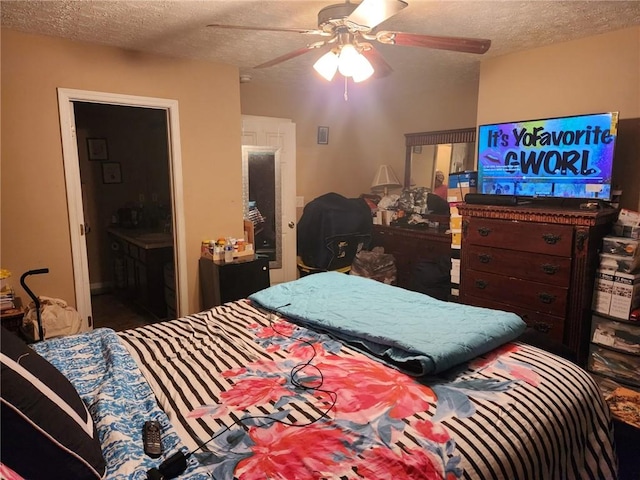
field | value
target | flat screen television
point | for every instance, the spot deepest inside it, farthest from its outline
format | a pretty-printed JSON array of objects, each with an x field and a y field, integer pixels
[{"x": 563, "y": 157}]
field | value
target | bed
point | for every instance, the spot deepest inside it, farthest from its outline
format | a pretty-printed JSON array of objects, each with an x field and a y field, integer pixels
[{"x": 338, "y": 377}]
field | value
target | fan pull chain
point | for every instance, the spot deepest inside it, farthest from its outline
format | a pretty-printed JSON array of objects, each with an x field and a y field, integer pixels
[{"x": 346, "y": 90}]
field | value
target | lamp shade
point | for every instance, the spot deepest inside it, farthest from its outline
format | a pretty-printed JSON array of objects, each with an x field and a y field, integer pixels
[
  {"x": 385, "y": 178},
  {"x": 327, "y": 65},
  {"x": 362, "y": 69}
]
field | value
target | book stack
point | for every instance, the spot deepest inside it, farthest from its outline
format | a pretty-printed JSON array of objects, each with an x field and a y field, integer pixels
[
  {"x": 7, "y": 299},
  {"x": 7, "y": 296}
]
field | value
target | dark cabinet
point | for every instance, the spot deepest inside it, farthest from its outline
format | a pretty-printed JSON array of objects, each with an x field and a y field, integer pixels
[
  {"x": 225, "y": 282},
  {"x": 138, "y": 274},
  {"x": 412, "y": 248}
]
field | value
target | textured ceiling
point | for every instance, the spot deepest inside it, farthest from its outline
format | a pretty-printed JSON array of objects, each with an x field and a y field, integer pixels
[{"x": 178, "y": 28}]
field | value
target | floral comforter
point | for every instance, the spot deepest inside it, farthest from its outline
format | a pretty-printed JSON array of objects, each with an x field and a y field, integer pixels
[{"x": 258, "y": 397}]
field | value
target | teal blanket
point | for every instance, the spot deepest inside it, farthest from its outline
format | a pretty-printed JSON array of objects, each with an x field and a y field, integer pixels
[{"x": 413, "y": 332}]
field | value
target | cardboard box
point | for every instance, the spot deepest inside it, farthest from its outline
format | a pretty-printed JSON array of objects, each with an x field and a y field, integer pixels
[
  {"x": 456, "y": 237},
  {"x": 625, "y": 295},
  {"x": 460, "y": 184},
  {"x": 629, "y": 217},
  {"x": 455, "y": 222},
  {"x": 455, "y": 271},
  {"x": 602, "y": 291},
  {"x": 616, "y": 293}
]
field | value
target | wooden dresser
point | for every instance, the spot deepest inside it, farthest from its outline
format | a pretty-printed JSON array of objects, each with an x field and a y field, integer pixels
[
  {"x": 538, "y": 262},
  {"x": 410, "y": 247}
]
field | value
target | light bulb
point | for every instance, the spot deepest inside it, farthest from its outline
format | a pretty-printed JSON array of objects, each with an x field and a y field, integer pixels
[
  {"x": 362, "y": 69},
  {"x": 327, "y": 65},
  {"x": 347, "y": 60}
]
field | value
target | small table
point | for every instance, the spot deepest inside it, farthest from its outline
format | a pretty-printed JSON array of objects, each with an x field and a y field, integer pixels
[{"x": 11, "y": 319}]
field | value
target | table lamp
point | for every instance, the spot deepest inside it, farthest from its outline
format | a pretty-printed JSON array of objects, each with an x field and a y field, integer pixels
[{"x": 384, "y": 179}]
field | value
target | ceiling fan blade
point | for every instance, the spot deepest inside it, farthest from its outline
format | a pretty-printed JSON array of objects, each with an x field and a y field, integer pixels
[
  {"x": 456, "y": 44},
  {"x": 371, "y": 13},
  {"x": 270, "y": 29},
  {"x": 290, "y": 55},
  {"x": 380, "y": 66}
]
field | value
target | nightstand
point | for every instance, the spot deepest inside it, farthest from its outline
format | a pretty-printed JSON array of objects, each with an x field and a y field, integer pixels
[
  {"x": 11, "y": 319},
  {"x": 222, "y": 282}
]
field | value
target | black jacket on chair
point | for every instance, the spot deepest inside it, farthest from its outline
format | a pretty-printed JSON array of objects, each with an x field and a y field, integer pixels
[{"x": 332, "y": 230}]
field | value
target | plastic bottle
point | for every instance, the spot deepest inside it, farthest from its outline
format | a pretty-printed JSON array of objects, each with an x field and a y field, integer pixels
[{"x": 228, "y": 251}]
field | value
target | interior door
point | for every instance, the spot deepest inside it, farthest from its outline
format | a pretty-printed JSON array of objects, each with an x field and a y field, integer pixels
[{"x": 280, "y": 134}]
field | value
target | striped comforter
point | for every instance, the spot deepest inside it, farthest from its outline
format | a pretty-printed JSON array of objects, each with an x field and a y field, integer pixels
[{"x": 264, "y": 398}]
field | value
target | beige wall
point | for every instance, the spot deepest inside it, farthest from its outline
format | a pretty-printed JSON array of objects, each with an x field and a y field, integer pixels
[
  {"x": 364, "y": 132},
  {"x": 34, "y": 220},
  {"x": 591, "y": 75}
]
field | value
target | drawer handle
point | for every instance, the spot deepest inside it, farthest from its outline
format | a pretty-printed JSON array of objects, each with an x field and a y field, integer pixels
[
  {"x": 542, "y": 327},
  {"x": 549, "y": 268},
  {"x": 551, "y": 238},
  {"x": 481, "y": 284},
  {"x": 484, "y": 257},
  {"x": 581, "y": 238},
  {"x": 484, "y": 231},
  {"x": 546, "y": 297}
]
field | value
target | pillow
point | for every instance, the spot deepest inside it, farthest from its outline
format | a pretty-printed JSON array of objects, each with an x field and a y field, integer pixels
[{"x": 46, "y": 429}]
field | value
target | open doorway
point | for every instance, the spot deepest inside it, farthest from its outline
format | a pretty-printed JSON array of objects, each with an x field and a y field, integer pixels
[
  {"x": 110, "y": 171},
  {"x": 124, "y": 172}
]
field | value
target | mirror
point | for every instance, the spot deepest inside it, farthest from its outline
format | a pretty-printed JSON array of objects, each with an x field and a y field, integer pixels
[
  {"x": 261, "y": 200},
  {"x": 447, "y": 151}
]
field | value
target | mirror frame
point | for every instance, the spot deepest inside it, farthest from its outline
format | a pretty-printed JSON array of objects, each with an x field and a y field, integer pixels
[{"x": 462, "y": 135}]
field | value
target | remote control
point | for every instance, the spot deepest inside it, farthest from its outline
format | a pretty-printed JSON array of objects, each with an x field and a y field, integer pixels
[{"x": 151, "y": 437}]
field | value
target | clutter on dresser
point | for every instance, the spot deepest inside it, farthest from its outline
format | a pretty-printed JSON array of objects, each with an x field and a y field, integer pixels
[{"x": 226, "y": 249}]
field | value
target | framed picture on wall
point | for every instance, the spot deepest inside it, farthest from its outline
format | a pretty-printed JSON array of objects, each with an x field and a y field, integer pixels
[
  {"x": 111, "y": 172},
  {"x": 323, "y": 135},
  {"x": 97, "y": 148}
]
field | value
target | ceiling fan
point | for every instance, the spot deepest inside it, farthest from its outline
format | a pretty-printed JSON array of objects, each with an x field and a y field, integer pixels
[{"x": 350, "y": 29}]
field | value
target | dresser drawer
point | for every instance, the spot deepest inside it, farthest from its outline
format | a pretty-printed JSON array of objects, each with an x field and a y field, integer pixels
[
  {"x": 543, "y": 238},
  {"x": 549, "y": 325},
  {"x": 528, "y": 266},
  {"x": 536, "y": 296}
]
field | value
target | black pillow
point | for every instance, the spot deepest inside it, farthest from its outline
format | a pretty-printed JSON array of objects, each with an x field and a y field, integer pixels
[{"x": 46, "y": 431}]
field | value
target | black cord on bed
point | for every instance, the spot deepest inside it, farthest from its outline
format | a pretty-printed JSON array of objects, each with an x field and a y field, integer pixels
[{"x": 177, "y": 463}]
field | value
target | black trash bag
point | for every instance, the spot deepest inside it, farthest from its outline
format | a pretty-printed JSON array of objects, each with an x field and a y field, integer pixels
[
  {"x": 375, "y": 264},
  {"x": 332, "y": 230}
]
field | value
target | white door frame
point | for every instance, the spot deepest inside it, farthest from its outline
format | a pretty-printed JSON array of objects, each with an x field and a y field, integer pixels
[{"x": 66, "y": 97}]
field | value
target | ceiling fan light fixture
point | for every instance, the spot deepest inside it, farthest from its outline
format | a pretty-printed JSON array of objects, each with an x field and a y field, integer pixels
[
  {"x": 347, "y": 60},
  {"x": 351, "y": 63},
  {"x": 327, "y": 65},
  {"x": 362, "y": 69}
]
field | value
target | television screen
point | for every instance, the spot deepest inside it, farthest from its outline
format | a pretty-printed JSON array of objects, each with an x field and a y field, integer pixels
[{"x": 566, "y": 157}]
